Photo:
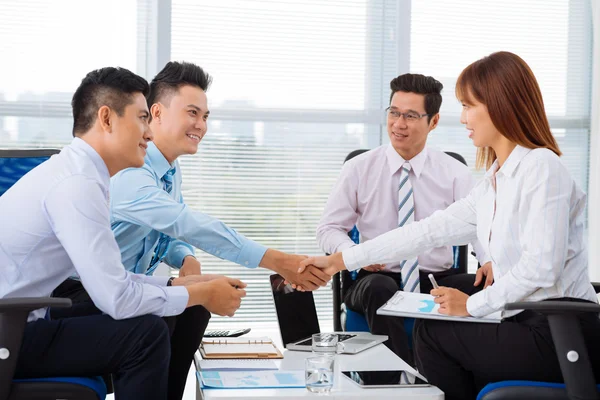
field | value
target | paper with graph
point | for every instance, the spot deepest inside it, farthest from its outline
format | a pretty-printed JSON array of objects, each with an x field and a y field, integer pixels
[
  {"x": 251, "y": 379},
  {"x": 421, "y": 305}
]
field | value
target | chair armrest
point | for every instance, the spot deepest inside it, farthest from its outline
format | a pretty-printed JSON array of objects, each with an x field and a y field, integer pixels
[
  {"x": 569, "y": 342},
  {"x": 32, "y": 303},
  {"x": 13, "y": 318},
  {"x": 555, "y": 307}
]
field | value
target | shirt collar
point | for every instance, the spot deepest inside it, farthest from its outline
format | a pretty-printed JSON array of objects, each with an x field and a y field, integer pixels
[
  {"x": 511, "y": 163},
  {"x": 395, "y": 160},
  {"x": 157, "y": 161},
  {"x": 99, "y": 163}
]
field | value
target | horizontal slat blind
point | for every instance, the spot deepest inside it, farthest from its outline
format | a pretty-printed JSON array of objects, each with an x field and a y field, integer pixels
[
  {"x": 297, "y": 86},
  {"x": 285, "y": 72}
]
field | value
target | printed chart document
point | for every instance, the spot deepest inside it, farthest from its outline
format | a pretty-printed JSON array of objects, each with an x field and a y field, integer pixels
[
  {"x": 240, "y": 347},
  {"x": 237, "y": 364},
  {"x": 421, "y": 305},
  {"x": 250, "y": 379}
]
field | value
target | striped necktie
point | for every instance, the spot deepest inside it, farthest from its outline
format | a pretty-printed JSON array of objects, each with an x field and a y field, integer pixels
[
  {"x": 406, "y": 215},
  {"x": 160, "y": 251}
]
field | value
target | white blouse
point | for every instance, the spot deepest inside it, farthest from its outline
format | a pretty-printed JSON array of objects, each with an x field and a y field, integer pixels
[{"x": 530, "y": 224}]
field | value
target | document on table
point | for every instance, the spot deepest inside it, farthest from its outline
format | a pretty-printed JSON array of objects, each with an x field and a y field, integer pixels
[
  {"x": 422, "y": 305},
  {"x": 251, "y": 379},
  {"x": 244, "y": 347},
  {"x": 237, "y": 365}
]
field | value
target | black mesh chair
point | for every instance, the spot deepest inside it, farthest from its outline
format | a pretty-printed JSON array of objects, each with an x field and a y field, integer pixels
[
  {"x": 341, "y": 281},
  {"x": 14, "y": 312}
]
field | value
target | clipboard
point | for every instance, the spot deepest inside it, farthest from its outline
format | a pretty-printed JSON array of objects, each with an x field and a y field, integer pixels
[
  {"x": 421, "y": 305},
  {"x": 226, "y": 348}
]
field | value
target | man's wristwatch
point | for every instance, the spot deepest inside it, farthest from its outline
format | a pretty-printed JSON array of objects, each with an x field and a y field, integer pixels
[{"x": 170, "y": 281}]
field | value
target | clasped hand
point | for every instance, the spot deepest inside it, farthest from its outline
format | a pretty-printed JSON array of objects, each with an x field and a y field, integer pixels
[{"x": 309, "y": 279}]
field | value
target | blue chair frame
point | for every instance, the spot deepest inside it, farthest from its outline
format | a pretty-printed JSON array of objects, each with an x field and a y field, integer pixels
[{"x": 14, "y": 312}]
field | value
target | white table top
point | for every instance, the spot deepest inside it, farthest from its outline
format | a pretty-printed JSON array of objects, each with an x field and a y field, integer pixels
[{"x": 376, "y": 358}]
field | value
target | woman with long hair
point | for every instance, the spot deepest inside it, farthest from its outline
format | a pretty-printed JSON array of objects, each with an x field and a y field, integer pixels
[{"x": 529, "y": 215}]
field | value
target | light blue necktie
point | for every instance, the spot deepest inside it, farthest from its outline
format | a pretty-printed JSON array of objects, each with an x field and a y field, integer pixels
[
  {"x": 163, "y": 240},
  {"x": 406, "y": 215}
]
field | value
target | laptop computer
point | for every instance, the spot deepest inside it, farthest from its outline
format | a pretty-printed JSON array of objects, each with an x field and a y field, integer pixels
[{"x": 297, "y": 316}]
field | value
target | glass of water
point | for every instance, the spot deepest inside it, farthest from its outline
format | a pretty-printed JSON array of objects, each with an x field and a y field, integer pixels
[
  {"x": 319, "y": 373},
  {"x": 326, "y": 343}
]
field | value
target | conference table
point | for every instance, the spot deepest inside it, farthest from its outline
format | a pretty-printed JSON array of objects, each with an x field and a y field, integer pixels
[{"x": 373, "y": 359}]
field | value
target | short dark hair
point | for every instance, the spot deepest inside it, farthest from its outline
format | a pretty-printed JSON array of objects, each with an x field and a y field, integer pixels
[
  {"x": 112, "y": 87},
  {"x": 420, "y": 84},
  {"x": 175, "y": 75}
]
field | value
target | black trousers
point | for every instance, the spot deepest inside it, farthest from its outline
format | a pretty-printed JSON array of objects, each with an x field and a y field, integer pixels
[
  {"x": 185, "y": 331},
  {"x": 372, "y": 289},
  {"x": 461, "y": 357},
  {"x": 135, "y": 351}
]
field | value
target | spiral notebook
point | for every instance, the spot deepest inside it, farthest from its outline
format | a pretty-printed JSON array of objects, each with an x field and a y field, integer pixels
[{"x": 240, "y": 347}]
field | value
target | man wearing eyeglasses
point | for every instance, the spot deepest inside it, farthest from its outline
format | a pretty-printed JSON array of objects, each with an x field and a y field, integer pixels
[{"x": 391, "y": 186}]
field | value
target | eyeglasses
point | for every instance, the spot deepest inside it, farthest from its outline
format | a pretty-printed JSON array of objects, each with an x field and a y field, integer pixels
[{"x": 410, "y": 116}]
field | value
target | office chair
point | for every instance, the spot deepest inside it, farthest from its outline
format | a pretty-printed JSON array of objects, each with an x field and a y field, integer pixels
[
  {"x": 579, "y": 382},
  {"x": 14, "y": 312},
  {"x": 351, "y": 321}
]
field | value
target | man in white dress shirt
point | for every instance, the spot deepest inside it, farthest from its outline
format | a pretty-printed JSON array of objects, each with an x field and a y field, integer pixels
[
  {"x": 56, "y": 223},
  {"x": 391, "y": 186}
]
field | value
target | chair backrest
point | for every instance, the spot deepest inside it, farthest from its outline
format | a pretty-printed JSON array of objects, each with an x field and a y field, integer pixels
[{"x": 16, "y": 163}]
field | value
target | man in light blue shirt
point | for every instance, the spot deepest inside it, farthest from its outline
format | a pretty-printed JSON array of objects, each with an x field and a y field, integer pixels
[
  {"x": 55, "y": 223},
  {"x": 152, "y": 223}
]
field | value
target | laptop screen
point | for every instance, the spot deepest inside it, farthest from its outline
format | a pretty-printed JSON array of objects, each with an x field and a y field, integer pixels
[{"x": 296, "y": 311}]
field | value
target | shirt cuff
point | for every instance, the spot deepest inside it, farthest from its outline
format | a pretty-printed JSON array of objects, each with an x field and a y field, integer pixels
[
  {"x": 354, "y": 258},
  {"x": 176, "y": 255},
  {"x": 484, "y": 259},
  {"x": 177, "y": 299},
  {"x": 477, "y": 305},
  {"x": 251, "y": 254}
]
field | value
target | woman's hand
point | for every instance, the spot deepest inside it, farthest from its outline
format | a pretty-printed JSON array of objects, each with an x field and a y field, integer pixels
[{"x": 451, "y": 301}]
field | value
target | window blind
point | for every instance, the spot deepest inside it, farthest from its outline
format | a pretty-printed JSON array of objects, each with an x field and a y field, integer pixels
[{"x": 297, "y": 86}]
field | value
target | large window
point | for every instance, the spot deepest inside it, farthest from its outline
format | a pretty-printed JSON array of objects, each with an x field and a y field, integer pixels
[{"x": 297, "y": 86}]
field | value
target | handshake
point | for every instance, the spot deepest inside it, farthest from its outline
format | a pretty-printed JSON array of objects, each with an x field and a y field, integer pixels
[
  {"x": 302, "y": 272},
  {"x": 223, "y": 296}
]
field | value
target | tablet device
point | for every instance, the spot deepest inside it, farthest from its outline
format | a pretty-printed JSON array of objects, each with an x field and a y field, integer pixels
[{"x": 385, "y": 379}]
